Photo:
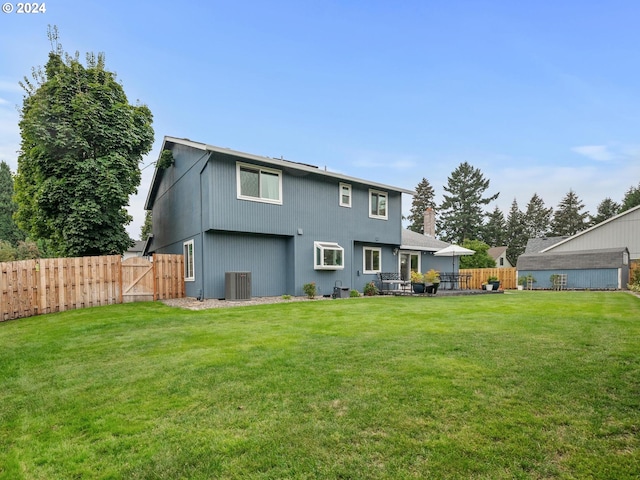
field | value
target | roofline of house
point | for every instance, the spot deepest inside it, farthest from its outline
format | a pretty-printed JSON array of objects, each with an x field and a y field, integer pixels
[
  {"x": 597, "y": 225},
  {"x": 270, "y": 161},
  {"x": 421, "y": 249}
]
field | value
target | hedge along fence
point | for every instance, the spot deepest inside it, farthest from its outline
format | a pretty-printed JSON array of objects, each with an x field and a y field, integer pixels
[
  {"x": 34, "y": 287},
  {"x": 507, "y": 276}
]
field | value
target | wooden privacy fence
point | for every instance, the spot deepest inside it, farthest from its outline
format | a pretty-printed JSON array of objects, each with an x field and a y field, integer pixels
[
  {"x": 34, "y": 287},
  {"x": 507, "y": 276}
]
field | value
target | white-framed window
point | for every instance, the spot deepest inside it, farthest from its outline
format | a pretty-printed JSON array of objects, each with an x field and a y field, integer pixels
[
  {"x": 372, "y": 260},
  {"x": 259, "y": 184},
  {"x": 345, "y": 195},
  {"x": 378, "y": 204},
  {"x": 189, "y": 262},
  {"x": 328, "y": 256}
]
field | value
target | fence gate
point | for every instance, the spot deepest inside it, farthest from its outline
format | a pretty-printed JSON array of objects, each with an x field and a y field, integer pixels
[{"x": 137, "y": 280}]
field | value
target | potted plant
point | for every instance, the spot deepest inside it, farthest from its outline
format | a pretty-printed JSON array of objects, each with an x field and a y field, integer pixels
[
  {"x": 417, "y": 282},
  {"x": 432, "y": 281},
  {"x": 522, "y": 281},
  {"x": 492, "y": 280}
]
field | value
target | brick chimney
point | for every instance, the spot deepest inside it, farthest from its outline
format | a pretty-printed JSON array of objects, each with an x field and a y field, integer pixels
[{"x": 430, "y": 222}]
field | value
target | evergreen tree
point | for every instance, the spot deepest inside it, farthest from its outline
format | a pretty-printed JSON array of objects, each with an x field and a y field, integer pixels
[
  {"x": 569, "y": 218},
  {"x": 537, "y": 218},
  {"x": 631, "y": 199},
  {"x": 516, "y": 235},
  {"x": 423, "y": 199},
  {"x": 494, "y": 233},
  {"x": 461, "y": 214},
  {"x": 146, "y": 229},
  {"x": 606, "y": 209},
  {"x": 9, "y": 231},
  {"x": 82, "y": 143}
]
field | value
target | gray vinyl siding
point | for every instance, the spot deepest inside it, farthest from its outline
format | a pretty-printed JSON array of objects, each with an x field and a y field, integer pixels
[
  {"x": 621, "y": 231},
  {"x": 594, "y": 279},
  {"x": 268, "y": 258},
  {"x": 197, "y": 199},
  {"x": 176, "y": 205},
  {"x": 310, "y": 202}
]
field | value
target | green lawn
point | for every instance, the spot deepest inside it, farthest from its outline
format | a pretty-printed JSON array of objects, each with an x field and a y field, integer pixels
[{"x": 526, "y": 385}]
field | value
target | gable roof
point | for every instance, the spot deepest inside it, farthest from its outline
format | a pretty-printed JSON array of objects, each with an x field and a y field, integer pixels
[
  {"x": 495, "y": 252},
  {"x": 275, "y": 162},
  {"x": 579, "y": 260},
  {"x": 416, "y": 241},
  {"x": 591, "y": 229}
]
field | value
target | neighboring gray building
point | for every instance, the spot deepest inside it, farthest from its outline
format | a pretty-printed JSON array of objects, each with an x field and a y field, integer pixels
[
  {"x": 606, "y": 268},
  {"x": 596, "y": 258},
  {"x": 499, "y": 254},
  {"x": 623, "y": 230},
  {"x": 285, "y": 222}
]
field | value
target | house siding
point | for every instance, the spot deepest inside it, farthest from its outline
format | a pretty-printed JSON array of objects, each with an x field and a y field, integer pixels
[
  {"x": 197, "y": 199},
  {"x": 585, "y": 279},
  {"x": 310, "y": 202},
  {"x": 268, "y": 258},
  {"x": 621, "y": 231}
]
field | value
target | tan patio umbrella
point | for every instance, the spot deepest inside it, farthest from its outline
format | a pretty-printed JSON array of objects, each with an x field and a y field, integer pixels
[{"x": 454, "y": 251}]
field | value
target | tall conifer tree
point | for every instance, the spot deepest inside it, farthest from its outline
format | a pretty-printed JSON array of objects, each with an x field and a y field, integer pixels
[
  {"x": 423, "y": 199},
  {"x": 537, "y": 218},
  {"x": 516, "y": 235},
  {"x": 461, "y": 215},
  {"x": 569, "y": 218}
]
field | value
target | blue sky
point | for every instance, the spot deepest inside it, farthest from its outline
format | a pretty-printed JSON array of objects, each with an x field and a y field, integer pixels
[{"x": 542, "y": 96}]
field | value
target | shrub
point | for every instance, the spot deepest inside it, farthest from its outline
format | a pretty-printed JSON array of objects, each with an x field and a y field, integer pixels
[
  {"x": 370, "y": 289},
  {"x": 634, "y": 278},
  {"x": 309, "y": 289},
  {"x": 354, "y": 293}
]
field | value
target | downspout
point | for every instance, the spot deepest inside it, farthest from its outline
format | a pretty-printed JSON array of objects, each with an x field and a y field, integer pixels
[{"x": 202, "y": 242}]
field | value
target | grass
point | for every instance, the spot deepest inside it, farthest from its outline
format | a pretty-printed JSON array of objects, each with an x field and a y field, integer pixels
[{"x": 526, "y": 385}]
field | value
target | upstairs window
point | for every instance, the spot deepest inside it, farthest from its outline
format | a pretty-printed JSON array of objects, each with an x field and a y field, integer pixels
[
  {"x": 328, "y": 256},
  {"x": 377, "y": 204},
  {"x": 345, "y": 195},
  {"x": 259, "y": 184}
]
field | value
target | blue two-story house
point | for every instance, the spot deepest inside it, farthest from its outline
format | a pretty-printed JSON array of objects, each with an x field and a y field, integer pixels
[{"x": 287, "y": 223}]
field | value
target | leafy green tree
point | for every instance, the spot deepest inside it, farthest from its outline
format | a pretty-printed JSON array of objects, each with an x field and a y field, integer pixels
[
  {"x": 516, "y": 235},
  {"x": 631, "y": 199},
  {"x": 9, "y": 231},
  {"x": 82, "y": 143},
  {"x": 146, "y": 229},
  {"x": 537, "y": 218},
  {"x": 480, "y": 259},
  {"x": 461, "y": 212},
  {"x": 494, "y": 232},
  {"x": 607, "y": 208},
  {"x": 423, "y": 199},
  {"x": 569, "y": 218}
]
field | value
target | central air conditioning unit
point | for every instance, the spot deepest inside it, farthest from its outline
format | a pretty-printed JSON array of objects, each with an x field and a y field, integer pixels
[{"x": 237, "y": 286}]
